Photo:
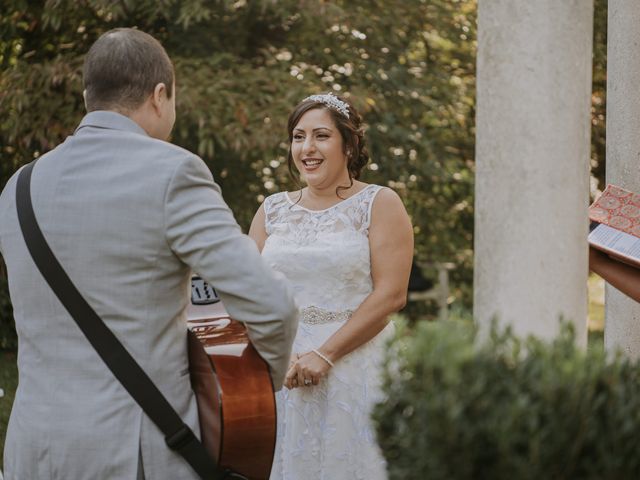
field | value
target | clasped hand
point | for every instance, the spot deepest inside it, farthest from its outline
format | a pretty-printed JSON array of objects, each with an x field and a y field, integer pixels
[{"x": 305, "y": 370}]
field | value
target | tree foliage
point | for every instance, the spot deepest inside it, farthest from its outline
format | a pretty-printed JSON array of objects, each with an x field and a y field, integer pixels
[
  {"x": 241, "y": 66},
  {"x": 598, "y": 99}
]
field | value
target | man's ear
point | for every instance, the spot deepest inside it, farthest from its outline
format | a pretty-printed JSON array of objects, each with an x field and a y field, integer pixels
[
  {"x": 158, "y": 97},
  {"x": 84, "y": 98}
]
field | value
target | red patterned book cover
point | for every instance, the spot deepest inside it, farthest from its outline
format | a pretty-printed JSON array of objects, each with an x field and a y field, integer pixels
[
  {"x": 615, "y": 227},
  {"x": 617, "y": 208}
]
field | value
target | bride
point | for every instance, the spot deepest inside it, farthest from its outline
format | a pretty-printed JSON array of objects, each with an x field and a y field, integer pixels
[{"x": 346, "y": 248}]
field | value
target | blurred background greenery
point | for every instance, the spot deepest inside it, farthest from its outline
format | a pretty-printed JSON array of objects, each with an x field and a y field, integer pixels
[
  {"x": 409, "y": 66},
  {"x": 241, "y": 66}
]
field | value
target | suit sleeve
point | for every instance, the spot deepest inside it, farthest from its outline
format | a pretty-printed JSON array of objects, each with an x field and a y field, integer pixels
[{"x": 203, "y": 233}]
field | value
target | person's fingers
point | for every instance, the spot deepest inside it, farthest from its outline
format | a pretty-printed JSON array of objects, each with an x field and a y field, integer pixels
[
  {"x": 289, "y": 378},
  {"x": 301, "y": 377},
  {"x": 310, "y": 368},
  {"x": 306, "y": 371}
]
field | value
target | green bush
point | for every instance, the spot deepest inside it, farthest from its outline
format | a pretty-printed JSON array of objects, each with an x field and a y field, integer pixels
[{"x": 506, "y": 408}]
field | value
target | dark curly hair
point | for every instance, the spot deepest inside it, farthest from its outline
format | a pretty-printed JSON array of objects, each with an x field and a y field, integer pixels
[{"x": 353, "y": 141}]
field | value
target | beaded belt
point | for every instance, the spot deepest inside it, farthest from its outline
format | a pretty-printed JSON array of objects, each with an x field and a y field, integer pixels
[{"x": 319, "y": 316}]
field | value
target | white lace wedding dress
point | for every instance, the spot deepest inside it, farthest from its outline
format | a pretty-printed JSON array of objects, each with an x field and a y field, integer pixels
[{"x": 325, "y": 431}]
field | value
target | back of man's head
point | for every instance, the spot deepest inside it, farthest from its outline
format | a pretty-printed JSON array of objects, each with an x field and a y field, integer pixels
[{"x": 122, "y": 69}]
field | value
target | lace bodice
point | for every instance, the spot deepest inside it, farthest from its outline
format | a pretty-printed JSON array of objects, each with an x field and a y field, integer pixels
[{"x": 323, "y": 253}]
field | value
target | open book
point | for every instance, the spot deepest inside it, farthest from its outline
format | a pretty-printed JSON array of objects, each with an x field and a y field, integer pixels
[{"x": 615, "y": 224}]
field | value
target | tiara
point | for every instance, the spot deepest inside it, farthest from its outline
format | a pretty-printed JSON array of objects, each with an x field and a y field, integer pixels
[{"x": 331, "y": 101}]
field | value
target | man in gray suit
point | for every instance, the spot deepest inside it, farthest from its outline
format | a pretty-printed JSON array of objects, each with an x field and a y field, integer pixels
[{"x": 130, "y": 217}]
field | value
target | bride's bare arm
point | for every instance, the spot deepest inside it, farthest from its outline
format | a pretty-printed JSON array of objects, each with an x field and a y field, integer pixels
[
  {"x": 257, "y": 231},
  {"x": 391, "y": 244}
]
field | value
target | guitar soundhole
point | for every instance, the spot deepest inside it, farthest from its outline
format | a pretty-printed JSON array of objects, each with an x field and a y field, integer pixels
[{"x": 202, "y": 293}]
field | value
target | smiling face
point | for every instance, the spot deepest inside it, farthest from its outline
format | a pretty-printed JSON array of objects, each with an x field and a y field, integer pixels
[{"x": 317, "y": 149}]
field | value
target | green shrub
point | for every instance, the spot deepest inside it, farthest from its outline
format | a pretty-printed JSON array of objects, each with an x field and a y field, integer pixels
[{"x": 459, "y": 408}]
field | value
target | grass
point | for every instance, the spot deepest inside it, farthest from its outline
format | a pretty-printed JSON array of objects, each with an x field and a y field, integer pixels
[
  {"x": 8, "y": 383},
  {"x": 595, "y": 319},
  {"x": 596, "y": 303}
]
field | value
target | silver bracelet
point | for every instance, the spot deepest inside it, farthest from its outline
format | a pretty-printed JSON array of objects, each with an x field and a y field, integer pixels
[{"x": 323, "y": 356}]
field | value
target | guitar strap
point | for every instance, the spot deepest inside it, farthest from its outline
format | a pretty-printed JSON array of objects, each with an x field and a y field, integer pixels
[{"x": 178, "y": 436}]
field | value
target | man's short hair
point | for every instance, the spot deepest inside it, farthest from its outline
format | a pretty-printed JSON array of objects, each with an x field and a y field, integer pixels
[{"x": 122, "y": 69}]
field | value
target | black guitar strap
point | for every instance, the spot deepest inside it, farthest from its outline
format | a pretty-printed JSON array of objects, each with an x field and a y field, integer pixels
[{"x": 178, "y": 435}]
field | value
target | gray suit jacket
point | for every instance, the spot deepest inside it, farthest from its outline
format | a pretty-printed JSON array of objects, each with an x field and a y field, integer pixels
[{"x": 129, "y": 217}]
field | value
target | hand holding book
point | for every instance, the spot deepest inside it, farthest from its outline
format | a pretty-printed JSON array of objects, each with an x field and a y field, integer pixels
[{"x": 614, "y": 239}]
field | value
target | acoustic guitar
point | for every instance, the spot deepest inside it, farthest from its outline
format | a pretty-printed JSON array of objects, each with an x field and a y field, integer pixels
[{"x": 236, "y": 403}]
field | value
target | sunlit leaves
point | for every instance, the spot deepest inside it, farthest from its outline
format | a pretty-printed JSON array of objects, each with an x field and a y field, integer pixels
[{"x": 241, "y": 67}]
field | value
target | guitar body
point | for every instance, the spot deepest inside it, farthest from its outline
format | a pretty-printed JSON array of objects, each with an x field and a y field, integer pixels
[{"x": 236, "y": 403}]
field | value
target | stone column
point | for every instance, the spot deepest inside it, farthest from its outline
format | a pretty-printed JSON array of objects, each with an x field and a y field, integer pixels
[
  {"x": 532, "y": 164},
  {"x": 622, "y": 315}
]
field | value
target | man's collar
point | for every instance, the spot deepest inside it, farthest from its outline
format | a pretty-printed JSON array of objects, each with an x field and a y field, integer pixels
[{"x": 110, "y": 120}]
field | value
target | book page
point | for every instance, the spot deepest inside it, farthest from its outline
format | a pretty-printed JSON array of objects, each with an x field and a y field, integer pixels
[{"x": 616, "y": 242}]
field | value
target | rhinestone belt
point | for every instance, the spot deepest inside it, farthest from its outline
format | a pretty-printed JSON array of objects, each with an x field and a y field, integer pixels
[{"x": 319, "y": 316}]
